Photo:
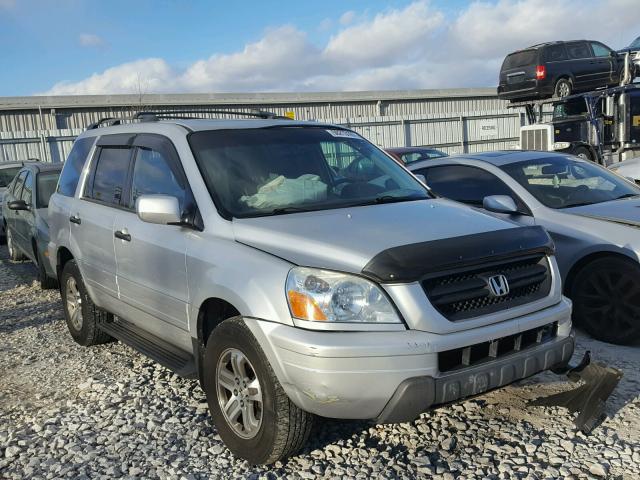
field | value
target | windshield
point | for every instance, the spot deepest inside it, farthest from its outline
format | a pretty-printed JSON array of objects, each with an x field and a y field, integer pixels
[
  {"x": 47, "y": 183},
  {"x": 7, "y": 174},
  {"x": 270, "y": 171},
  {"x": 563, "y": 182},
  {"x": 572, "y": 108}
]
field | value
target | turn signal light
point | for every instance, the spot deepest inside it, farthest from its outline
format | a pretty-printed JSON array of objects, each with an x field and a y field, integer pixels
[
  {"x": 541, "y": 72},
  {"x": 304, "y": 307}
]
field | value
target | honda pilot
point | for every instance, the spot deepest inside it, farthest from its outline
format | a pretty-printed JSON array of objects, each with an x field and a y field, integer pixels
[{"x": 297, "y": 271}]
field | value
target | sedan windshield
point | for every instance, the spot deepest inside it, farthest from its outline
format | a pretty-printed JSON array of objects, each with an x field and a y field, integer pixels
[
  {"x": 564, "y": 182},
  {"x": 279, "y": 170}
]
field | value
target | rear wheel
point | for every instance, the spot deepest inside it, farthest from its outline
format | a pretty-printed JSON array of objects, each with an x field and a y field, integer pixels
[
  {"x": 606, "y": 300},
  {"x": 81, "y": 314},
  {"x": 563, "y": 88},
  {"x": 253, "y": 415},
  {"x": 46, "y": 282},
  {"x": 14, "y": 254}
]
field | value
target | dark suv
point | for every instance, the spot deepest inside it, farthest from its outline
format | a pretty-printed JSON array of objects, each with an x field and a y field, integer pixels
[{"x": 558, "y": 69}]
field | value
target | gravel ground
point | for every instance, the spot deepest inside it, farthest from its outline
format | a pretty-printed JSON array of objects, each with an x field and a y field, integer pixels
[{"x": 73, "y": 412}]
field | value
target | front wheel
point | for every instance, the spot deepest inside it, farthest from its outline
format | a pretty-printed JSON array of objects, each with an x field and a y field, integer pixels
[
  {"x": 606, "y": 300},
  {"x": 253, "y": 415},
  {"x": 583, "y": 152},
  {"x": 563, "y": 88}
]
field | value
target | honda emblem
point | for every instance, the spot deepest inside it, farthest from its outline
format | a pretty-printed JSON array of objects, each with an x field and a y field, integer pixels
[{"x": 498, "y": 285}]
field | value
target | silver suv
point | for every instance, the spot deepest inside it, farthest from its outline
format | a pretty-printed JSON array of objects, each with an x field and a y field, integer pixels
[{"x": 296, "y": 270}]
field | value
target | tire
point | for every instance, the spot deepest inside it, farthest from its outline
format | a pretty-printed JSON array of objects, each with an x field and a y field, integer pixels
[
  {"x": 82, "y": 321},
  {"x": 46, "y": 282},
  {"x": 606, "y": 300},
  {"x": 14, "y": 254},
  {"x": 563, "y": 88},
  {"x": 279, "y": 427},
  {"x": 583, "y": 152}
]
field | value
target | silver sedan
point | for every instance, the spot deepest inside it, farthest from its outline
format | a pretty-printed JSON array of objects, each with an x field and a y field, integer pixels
[{"x": 592, "y": 214}]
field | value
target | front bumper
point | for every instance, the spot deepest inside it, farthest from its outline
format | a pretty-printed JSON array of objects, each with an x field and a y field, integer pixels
[{"x": 394, "y": 376}]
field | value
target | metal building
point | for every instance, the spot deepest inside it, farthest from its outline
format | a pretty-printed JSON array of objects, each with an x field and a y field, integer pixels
[{"x": 456, "y": 120}]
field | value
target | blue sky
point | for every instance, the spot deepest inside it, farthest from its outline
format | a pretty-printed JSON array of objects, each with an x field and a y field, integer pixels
[{"x": 82, "y": 46}]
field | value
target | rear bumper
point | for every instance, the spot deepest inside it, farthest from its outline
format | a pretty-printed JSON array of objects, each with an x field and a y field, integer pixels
[
  {"x": 394, "y": 376},
  {"x": 539, "y": 90}
]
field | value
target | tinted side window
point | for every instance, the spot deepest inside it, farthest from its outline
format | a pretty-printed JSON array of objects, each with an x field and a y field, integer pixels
[
  {"x": 73, "y": 166},
  {"x": 555, "y": 53},
  {"x": 111, "y": 170},
  {"x": 577, "y": 50},
  {"x": 45, "y": 186},
  {"x": 464, "y": 184},
  {"x": 152, "y": 174},
  {"x": 27, "y": 189},
  {"x": 599, "y": 50}
]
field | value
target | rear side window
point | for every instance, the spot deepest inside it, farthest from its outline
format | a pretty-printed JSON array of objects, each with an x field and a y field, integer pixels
[
  {"x": 72, "y": 169},
  {"x": 555, "y": 53},
  {"x": 520, "y": 59},
  {"x": 578, "y": 50},
  {"x": 110, "y": 175},
  {"x": 45, "y": 186},
  {"x": 7, "y": 174}
]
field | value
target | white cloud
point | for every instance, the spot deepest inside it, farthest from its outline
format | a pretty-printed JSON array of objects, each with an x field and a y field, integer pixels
[
  {"x": 91, "y": 40},
  {"x": 347, "y": 17},
  {"x": 418, "y": 46}
]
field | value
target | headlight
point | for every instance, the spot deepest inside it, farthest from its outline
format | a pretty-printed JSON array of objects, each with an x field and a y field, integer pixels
[
  {"x": 326, "y": 296},
  {"x": 561, "y": 145}
]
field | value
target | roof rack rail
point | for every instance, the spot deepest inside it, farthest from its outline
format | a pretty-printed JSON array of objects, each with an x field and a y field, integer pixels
[
  {"x": 105, "y": 122},
  {"x": 179, "y": 114}
]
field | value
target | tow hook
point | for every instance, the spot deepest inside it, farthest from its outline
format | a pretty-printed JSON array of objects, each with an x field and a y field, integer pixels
[{"x": 588, "y": 400}]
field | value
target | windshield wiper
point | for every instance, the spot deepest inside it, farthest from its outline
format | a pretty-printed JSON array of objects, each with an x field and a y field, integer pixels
[
  {"x": 290, "y": 209},
  {"x": 627, "y": 195},
  {"x": 392, "y": 198}
]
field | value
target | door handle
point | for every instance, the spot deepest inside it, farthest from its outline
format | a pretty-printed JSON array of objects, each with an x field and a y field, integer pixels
[
  {"x": 122, "y": 235},
  {"x": 75, "y": 219}
]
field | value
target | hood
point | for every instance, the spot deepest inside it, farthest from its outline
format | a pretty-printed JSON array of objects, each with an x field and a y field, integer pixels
[
  {"x": 347, "y": 239},
  {"x": 626, "y": 211}
]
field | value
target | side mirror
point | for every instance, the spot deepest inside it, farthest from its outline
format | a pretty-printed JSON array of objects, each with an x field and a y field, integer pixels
[
  {"x": 18, "y": 205},
  {"x": 500, "y": 204},
  {"x": 421, "y": 177},
  {"x": 160, "y": 209}
]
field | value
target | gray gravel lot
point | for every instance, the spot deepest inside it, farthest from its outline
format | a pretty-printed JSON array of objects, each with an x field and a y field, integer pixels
[{"x": 73, "y": 412}]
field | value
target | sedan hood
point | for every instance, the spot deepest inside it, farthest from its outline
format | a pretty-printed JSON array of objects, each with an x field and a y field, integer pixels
[
  {"x": 347, "y": 239},
  {"x": 626, "y": 211}
]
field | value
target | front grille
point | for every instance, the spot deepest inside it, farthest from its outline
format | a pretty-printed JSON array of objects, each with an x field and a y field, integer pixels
[
  {"x": 534, "y": 139},
  {"x": 466, "y": 293},
  {"x": 487, "y": 351}
]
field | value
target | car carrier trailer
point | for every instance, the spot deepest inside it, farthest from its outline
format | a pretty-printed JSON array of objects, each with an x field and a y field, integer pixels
[{"x": 601, "y": 125}]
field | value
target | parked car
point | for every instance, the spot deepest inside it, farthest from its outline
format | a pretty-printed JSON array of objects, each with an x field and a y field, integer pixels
[
  {"x": 592, "y": 215},
  {"x": 407, "y": 155},
  {"x": 558, "y": 69},
  {"x": 630, "y": 169},
  {"x": 26, "y": 216},
  {"x": 8, "y": 171},
  {"x": 297, "y": 270},
  {"x": 633, "y": 47}
]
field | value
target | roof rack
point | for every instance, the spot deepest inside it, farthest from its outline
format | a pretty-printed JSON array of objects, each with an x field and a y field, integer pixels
[
  {"x": 105, "y": 122},
  {"x": 155, "y": 116}
]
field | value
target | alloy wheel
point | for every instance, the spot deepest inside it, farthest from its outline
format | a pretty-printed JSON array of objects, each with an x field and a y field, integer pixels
[
  {"x": 239, "y": 393},
  {"x": 74, "y": 303}
]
